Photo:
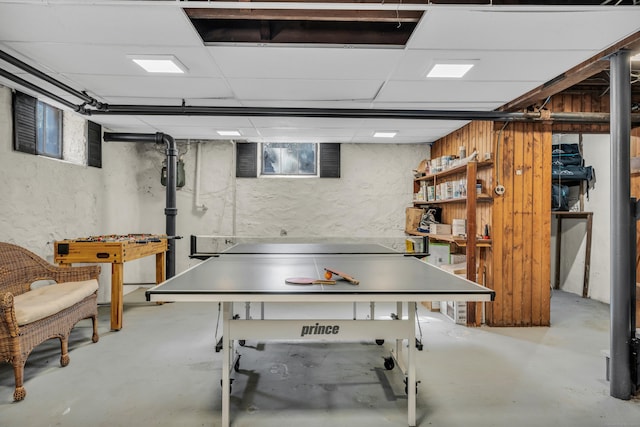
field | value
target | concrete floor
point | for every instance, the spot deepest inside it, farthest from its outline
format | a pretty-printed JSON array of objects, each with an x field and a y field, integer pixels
[{"x": 161, "y": 370}]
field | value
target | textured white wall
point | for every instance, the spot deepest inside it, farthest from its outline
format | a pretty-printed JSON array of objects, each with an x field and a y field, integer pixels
[
  {"x": 597, "y": 152},
  {"x": 43, "y": 200},
  {"x": 369, "y": 199}
]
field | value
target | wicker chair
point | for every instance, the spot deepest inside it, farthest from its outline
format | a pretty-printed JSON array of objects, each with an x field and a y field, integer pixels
[{"x": 19, "y": 268}]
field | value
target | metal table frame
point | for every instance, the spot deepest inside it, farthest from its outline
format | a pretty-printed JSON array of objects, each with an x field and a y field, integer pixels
[{"x": 260, "y": 278}]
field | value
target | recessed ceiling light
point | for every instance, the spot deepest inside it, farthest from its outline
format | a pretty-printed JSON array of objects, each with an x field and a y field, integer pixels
[
  {"x": 450, "y": 70},
  {"x": 159, "y": 63},
  {"x": 228, "y": 132},
  {"x": 384, "y": 134},
  {"x": 636, "y": 57}
]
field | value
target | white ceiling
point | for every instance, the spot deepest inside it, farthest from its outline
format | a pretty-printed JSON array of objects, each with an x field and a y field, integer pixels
[{"x": 86, "y": 45}]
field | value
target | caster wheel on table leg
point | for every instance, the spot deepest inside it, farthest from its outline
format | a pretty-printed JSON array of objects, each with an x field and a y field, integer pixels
[
  {"x": 389, "y": 364},
  {"x": 406, "y": 387}
]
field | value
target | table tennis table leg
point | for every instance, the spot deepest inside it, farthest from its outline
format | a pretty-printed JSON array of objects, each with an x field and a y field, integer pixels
[
  {"x": 227, "y": 315},
  {"x": 412, "y": 385},
  {"x": 399, "y": 342}
]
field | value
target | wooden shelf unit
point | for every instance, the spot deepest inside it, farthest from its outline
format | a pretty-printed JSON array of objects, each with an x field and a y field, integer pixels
[
  {"x": 479, "y": 198},
  {"x": 458, "y": 240},
  {"x": 460, "y": 169},
  {"x": 469, "y": 172}
]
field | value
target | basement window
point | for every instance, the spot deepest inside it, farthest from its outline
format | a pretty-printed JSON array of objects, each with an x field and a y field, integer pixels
[
  {"x": 288, "y": 159},
  {"x": 38, "y": 129},
  {"x": 37, "y": 126},
  {"x": 48, "y": 130}
]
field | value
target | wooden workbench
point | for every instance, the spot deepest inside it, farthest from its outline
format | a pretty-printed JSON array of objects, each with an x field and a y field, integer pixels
[{"x": 115, "y": 250}]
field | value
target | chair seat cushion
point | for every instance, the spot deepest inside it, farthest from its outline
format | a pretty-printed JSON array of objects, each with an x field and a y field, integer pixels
[{"x": 47, "y": 300}]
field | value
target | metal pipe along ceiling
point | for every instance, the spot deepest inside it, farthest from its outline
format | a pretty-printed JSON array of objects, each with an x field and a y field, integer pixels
[
  {"x": 362, "y": 113},
  {"x": 98, "y": 108},
  {"x": 42, "y": 76}
]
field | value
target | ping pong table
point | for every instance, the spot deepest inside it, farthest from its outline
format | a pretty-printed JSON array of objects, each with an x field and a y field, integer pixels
[
  {"x": 258, "y": 274},
  {"x": 256, "y": 248}
]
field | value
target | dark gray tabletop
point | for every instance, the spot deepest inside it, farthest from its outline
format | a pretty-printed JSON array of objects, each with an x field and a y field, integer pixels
[{"x": 261, "y": 277}]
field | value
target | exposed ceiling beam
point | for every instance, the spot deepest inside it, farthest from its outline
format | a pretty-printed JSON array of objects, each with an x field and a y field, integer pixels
[
  {"x": 574, "y": 76},
  {"x": 306, "y": 15}
]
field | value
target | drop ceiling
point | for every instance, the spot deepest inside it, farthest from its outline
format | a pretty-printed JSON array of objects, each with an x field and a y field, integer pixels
[{"x": 515, "y": 49}]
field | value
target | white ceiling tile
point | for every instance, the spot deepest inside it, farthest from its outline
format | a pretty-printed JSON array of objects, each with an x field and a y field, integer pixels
[
  {"x": 93, "y": 23},
  {"x": 304, "y": 89},
  {"x": 452, "y": 91},
  {"x": 248, "y": 62},
  {"x": 493, "y": 65},
  {"x": 534, "y": 28},
  {"x": 110, "y": 60},
  {"x": 209, "y": 122},
  {"x": 152, "y": 87},
  {"x": 409, "y": 127},
  {"x": 306, "y": 122}
]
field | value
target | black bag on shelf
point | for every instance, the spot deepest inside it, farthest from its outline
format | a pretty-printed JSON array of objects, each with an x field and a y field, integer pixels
[
  {"x": 559, "y": 197},
  {"x": 566, "y": 154},
  {"x": 571, "y": 173}
]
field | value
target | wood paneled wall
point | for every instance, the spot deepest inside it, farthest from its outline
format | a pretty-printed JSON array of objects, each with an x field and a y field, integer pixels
[
  {"x": 522, "y": 226},
  {"x": 592, "y": 102},
  {"x": 518, "y": 263}
]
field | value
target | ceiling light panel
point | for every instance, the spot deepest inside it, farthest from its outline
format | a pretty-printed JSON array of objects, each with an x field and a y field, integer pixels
[
  {"x": 167, "y": 64},
  {"x": 449, "y": 70},
  {"x": 228, "y": 133},
  {"x": 385, "y": 134}
]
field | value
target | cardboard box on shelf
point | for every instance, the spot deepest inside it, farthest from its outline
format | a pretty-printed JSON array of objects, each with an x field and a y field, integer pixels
[
  {"x": 459, "y": 227},
  {"x": 440, "y": 228},
  {"x": 455, "y": 310},
  {"x": 413, "y": 217},
  {"x": 458, "y": 258},
  {"x": 456, "y": 268},
  {"x": 432, "y": 305},
  {"x": 438, "y": 254}
]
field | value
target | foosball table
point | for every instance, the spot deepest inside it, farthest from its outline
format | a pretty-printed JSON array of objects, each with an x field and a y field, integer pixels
[{"x": 114, "y": 250}]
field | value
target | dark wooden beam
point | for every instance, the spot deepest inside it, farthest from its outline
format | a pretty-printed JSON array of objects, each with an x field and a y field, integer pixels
[
  {"x": 305, "y": 15},
  {"x": 574, "y": 76}
]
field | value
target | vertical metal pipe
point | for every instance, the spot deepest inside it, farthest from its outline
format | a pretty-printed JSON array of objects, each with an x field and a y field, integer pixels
[
  {"x": 171, "y": 211},
  {"x": 621, "y": 217}
]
